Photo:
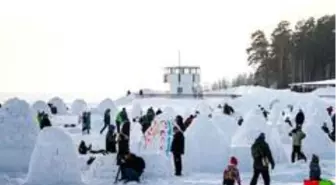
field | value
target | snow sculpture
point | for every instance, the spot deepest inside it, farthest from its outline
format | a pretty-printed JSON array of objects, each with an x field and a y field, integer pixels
[
  {"x": 41, "y": 106},
  {"x": 203, "y": 140},
  {"x": 54, "y": 160},
  {"x": 59, "y": 104},
  {"x": 78, "y": 106},
  {"x": 18, "y": 133}
]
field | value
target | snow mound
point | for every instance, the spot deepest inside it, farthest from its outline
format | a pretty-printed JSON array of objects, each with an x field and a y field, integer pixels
[
  {"x": 18, "y": 133},
  {"x": 41, "y": 106},
  {"x": 157, "y": 165},
  {"x": 227, "y": 125},
  {"x": 54, "y": 160},
  {"x": 78, "y": 106},
  {"x": 107, "y": 104},
  {"x": 326, "y": 91},
  {"x": 205, "y": 152},
  {"x": 59, "y": 104}
]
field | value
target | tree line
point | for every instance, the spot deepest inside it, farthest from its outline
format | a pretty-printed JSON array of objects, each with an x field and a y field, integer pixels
[{"x": 305, "y": 53}]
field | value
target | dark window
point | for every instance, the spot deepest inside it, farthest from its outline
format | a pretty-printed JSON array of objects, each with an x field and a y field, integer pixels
[
  {"x": 193, "y": 78},
  {"x": 179, "y": 78}
]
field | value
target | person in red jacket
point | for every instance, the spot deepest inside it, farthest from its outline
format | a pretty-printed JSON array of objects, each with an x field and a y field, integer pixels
[{"x": 231, "y": 173}]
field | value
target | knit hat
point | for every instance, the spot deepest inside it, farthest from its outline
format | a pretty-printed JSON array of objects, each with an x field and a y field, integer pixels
[{"x": 233, "y": 161}]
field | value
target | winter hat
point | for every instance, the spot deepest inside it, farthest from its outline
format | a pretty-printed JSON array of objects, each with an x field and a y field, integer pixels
[
  {"x": 261, "y": 136},
  {"x": 233, "y": 161},
  {"x": 299, "y": 118}
]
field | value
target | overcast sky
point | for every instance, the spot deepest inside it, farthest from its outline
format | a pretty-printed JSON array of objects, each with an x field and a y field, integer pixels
[{"x": 92, "y": 49}]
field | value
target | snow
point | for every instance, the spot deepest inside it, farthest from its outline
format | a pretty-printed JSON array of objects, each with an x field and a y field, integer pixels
[
  {"x": 107, "y": 104},
  {"x": 200, "y": 156},
  {"x": 18, "y": 132},
  {"x": 325, "y": 91},
  {"x": 78, "y": 107},
  {"x": 59, "y": 104},
  {"x": 209, "y": 142},
  {"x": 41, "y": 106},
  {"x": 54, "y": 160}
]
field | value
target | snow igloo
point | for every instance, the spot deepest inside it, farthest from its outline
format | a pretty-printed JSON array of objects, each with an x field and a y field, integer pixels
[
  {"x": 59, "y": 104},
  {"x": 107, "y": 104},
  {"x": 18, "y": 133},
  {"x": 54, "y": 160},
  {"x": 206, "y": 149},
  {"x": 78, "y": 106},
  {"x": 41, "y": 106}
]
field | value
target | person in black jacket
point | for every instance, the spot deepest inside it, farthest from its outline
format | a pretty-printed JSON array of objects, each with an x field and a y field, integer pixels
[
  {"x": 107, "y": 120},
  {"x": 227, "y": 109},
  {"x": 45, "y": 122},
  {"x": 123, "y": 141},
  {"x": 177, "y": 149},
  {"x": 110, "y": 140},
  {"x": 325, "y": 128},
  {"x": 300, "y": 118},
  {"x": 262, "y": 156},
  {"x": 131, "y": 167},
  {"x": 314, "y": 169}
]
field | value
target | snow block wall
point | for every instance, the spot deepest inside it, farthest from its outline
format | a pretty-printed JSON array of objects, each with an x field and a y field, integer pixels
[
  {"x": 41, "y": 106},
  {"x": 54, "y": 160},
  {"x": 206, "y": 149},
  {"x": 78, "y": 106},
  {"x": 59, "y": 104},
  {"x": 157, "y": 165},
  {"x": 18, "y": 133}
]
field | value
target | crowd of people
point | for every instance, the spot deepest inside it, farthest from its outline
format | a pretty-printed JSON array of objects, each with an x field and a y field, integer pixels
[{"x": 131, "y": 167}]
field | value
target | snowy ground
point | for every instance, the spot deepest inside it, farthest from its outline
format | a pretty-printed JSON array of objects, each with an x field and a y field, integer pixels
[{"x": 103, "y": 170}]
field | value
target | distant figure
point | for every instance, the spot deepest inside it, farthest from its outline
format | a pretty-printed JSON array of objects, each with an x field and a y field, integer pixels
[
  {"x": 219, "y": 106},
  {"x": 240, "y": 121},
  {"x": 300, "y": 117},
  {"x": 140, "y": 92},
  {"x": 228, "y": 110},
  {"x": 314, "y": 169},
  {"x": 45, "y": 122},
  {"x": 86, "y": 126},
  {"x": 110, "y": 140},
  {"x": 331, "y": 134},
  {"x": 262, "y": 156},
  {"x": 264, "y": 112},
  {"x": 128, "y": 93},
  {"x": 330, "y": 110},
  {"x": 297, "y": 136},
  {"x": 107, "y": 120},
  {"x": 231, "y": 173},
  {"x": 177, "y": 149}
]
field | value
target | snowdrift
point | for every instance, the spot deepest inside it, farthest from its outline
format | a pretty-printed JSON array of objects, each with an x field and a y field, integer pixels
[
  {"x": 41, "y": 106},
  {"x": 78, "y": 106},
  {"x": 206, "y": 149},
  {"x": 59, "y": 104},
  {"x": 326, "y": 91},
  {"x": 54, "y": 160},
  {"x": 18, "y": 133}
]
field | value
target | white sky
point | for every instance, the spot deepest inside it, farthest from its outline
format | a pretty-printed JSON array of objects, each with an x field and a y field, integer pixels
[{"x": 93, "y": 49}]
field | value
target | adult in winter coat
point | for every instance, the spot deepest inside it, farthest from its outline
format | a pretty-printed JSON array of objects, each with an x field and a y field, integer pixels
[
  {"x": 331, "y": 134},
  {"x": 177, "y": 148},
  {"x": 121, "y": 118},
  {"x": 45, "y": 122},
  {"x": 110, "y": 140},
  {"x": 86, "y": 122},
  {"x": 145, "y": 123},
  {"x": 262, "y": 156},
  {"x": 231, "y": 173},
  {"x": 314, "y": 169},
  {"x": 107, "y": 120},
  {"x": 123, "y": 140},
  {"x": 297, "y": 137},
  {"x": 131, "y": 167}
]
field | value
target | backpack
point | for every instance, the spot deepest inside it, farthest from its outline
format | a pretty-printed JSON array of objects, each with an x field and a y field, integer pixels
[{"x": 230, "y": 173}]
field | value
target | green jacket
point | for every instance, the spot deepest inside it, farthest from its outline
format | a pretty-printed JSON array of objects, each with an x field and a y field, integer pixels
[{"x": 297, "y": 137}]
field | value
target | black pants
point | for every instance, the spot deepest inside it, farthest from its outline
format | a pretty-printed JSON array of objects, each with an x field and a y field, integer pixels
[
  {"x": 297, "y": 151},
  {"x": 228, "y": 182},
  {"x": 110, "y": 146},
  {"x": 178, "y": 164},
  {"x": 264, "y": 174},
  {"x": 86, "y": 129}
]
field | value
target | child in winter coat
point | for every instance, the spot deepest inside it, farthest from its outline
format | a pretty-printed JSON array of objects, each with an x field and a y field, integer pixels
[
  {"x": 231, "y": 173},
  {"x": 314, "y": 169}
]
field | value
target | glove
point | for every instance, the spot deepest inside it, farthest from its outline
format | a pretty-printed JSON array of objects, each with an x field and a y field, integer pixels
[{"x": 273, "y": 165}]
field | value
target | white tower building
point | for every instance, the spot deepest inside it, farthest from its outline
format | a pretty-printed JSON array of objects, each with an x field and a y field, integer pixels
[{"x": 183, "y": 79}]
